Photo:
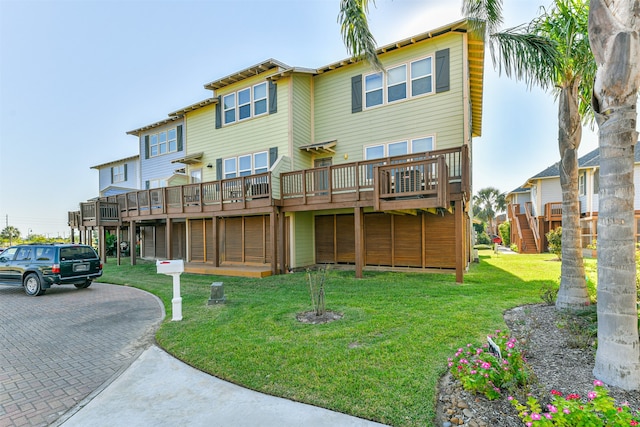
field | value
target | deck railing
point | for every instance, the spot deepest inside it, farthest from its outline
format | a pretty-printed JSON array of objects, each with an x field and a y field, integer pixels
[
  {"x": 99, "y": 212},
  {"x": 357, "y": 180},
  {"x": 553, "y": 211},
  {"x": 230, "y": 193},
  {"x": 533, "y": 224}
]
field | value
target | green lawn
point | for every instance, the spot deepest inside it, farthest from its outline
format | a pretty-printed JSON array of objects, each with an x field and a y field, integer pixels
[{"x": 381, "y": 361}]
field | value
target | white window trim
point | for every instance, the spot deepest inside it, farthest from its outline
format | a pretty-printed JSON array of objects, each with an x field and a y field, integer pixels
[
  {"x": 409, "y": 142},
  {"x": 236, "y": 160},
  {"x": 407, "y": 81},
  {"x": 117, "y": 173},
  {"x": 167, "y": 142},
  {"x": 252, "y": 103}
]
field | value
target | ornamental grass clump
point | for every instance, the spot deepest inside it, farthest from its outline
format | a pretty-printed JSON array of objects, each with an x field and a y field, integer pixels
[
  {"x": 490, "y": 370},
  {"x": 598, "y": 410}
]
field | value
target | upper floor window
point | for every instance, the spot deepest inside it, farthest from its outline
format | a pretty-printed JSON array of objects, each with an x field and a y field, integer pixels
[
  {"x": 400, "y": 82},
  {"x": 399, "y": 148},
  {"x": 119, "y": 173},
  {"x": 163, "y": 142},
  {"x": 582, "y": 187},
  {"x": 245, "y": 103},
  {"x": 248, "y": 164}
]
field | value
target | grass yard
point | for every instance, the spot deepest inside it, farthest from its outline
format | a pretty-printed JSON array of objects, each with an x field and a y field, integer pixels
[{"x": 381, "y": 361}]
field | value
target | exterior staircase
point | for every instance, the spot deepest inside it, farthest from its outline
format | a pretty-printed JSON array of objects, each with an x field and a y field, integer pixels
[{"x": 528, "y": 242}]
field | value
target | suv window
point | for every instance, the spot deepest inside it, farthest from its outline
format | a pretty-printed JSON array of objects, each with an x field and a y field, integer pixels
[
  {"x": 77, "y": 252},
  {"x": 44, "y": 254},
  {"x": 24, "y": 254},
  {"x": 8, "y": 254}
]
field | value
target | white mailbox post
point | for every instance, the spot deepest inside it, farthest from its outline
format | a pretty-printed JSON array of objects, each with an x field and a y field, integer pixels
[{"x": 173, "y": 267}]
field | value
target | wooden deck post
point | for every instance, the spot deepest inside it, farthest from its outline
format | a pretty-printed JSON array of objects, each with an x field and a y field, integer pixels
[
  {"x": 458, "y": 219},
  {"x": 168, "y": 242},
  {"x": 132, "y": 242},
  {"x": 282, "y": 256},
  {"x": 359, "y": 237},
  {"x": 102, "y": 243},
  {"x": 118, "y": 240},
  {"x": 216, "y": 246},
  {"x": 273, "y": 236}
]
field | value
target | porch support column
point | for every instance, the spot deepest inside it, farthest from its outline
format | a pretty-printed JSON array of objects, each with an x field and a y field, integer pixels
[
  {"x": 132, "y": 242},
  {"x": 168, "y": 242},
  {"x": 118, "y": 240},
  {"x": 282, "y": 256},
  {"x": 273, "y": 236},
  {"x": 215, "y": 253},
  {"x": 358, "y": 218},
  {"x": 102, "y": 243},
  {"x": 458, "y": 219}
]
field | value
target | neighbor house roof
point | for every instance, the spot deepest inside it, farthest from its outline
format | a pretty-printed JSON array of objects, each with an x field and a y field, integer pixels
[
  {"x": 153, "y": 125},
  {"x": 113, "y": 162}
]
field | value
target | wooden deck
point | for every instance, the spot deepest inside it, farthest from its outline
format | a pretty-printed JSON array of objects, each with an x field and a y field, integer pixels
[{"x": 234, "y": 270}]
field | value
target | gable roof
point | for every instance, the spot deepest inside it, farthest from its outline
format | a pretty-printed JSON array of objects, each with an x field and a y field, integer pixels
[
  {"x": 588, "y": 161},
  {"x": 153, "y": 125},
  {"x": 113, "y": 162}
]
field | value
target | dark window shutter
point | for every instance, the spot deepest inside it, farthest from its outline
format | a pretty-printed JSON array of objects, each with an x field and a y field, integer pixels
[
  {"x": 219, "y": 113},
  {"x": 218, "y": 169},
  {"x": 273, "y": 155},
  {"x": 147, "y": 185},
  {"x": 356, "y": 93},
  {"x": 112, "y": 175},
  {"x": 442, "y": 70},
  {"x": 179, "y": 136},
  {"x": 125, "y": 171},
  {"x": 273, "y": 97},
  {"x": 146, "y": 146}
]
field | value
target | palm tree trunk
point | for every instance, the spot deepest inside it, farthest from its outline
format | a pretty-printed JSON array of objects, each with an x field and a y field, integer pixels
[
  {"x": 614, "y": 33},
  {"x": 573, "y": 287}
]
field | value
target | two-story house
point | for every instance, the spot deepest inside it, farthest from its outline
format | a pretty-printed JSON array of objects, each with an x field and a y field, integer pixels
[
  {"x": 536, "y": 208},
  {"x": 343, "y": 164},
  {"x": 118, "y": 176}
]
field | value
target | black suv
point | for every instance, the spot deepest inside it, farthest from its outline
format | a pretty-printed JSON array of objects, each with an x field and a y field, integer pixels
[{"x": 37, "y": 267}]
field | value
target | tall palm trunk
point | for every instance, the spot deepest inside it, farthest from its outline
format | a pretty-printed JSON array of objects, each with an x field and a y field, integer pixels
[
  {"x": 573, "y": 288},
  {"x": 614, "y": 33}
]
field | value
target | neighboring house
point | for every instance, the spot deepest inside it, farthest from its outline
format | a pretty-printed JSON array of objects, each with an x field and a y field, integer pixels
[
  {"x": 160, "y": 144},
  {"x": 290, "y": 167},
  {"x": 118, "y": 176},
  {"x": 536, "y": 207}
]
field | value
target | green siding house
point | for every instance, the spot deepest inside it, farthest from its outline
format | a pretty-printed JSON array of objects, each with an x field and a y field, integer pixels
[{"x": 342, "y": 164}]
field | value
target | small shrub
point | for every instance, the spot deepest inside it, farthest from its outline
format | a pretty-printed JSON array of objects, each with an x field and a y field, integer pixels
[
  {"x": 554, "y": 237},
  {"x": 549, "y": 293},
  {"x": 598, "y": 410},
  {"x": 514, "y": 247},
  {"x": 481, "y": 371},
  {"x": 505, "y": 232},
  {"x": 316, "y": 288}
]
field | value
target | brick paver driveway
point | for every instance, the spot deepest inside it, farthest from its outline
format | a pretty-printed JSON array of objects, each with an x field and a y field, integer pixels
[{"x": 57, "y": 349}]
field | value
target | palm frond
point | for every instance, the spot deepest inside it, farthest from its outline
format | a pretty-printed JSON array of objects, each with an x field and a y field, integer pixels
[
  {"x": 485, "y": 15},
  {"x": 524, "y": 56},
  {"x": 356, "y": 35}
]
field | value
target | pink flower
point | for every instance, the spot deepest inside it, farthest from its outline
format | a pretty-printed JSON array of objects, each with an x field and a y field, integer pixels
[
  {"x": 535, "y": 416},
  {"x": 529, "y": 424},
  {"x": 566, "y": 411},
  {"x": 592, "y": 395},
  {"x": 486, "y": 365},
  {"x": 598, "y": 383},
  {"x": 633, "y": 423},
  {"x": 552, "y": 408},
  {"x": 450, "y": 364},
  {"x": 510, "y": 344},
  {"x": 473, "y": 372},
  {"x": 556, "y": 393},
  {"x": 548, "y": 416},
  {"x": 573, "y": 396},
  {"x": 509, "y": 397}
]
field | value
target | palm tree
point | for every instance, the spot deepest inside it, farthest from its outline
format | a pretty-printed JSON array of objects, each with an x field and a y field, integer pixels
[
  {"x": 10, "y": 233},
  {"x": 614, "y": 31},
  {"x": 489, "y": 202},
  {"x": 551, "y": 52}
]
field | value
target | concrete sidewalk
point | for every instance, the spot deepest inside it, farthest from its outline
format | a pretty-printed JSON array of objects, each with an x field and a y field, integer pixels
[{"x": 159, "y": 390}]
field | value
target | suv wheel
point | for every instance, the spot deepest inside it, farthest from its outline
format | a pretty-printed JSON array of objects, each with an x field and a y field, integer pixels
[
  {"x": 83, "y": 285},
  {"x": 32, "y": 285}
]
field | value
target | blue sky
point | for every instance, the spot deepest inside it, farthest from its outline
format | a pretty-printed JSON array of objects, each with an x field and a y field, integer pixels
[{"x": 75, "y": 76}]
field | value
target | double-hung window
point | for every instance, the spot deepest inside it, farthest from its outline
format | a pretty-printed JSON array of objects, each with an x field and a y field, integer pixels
[
  {"x": 118, "y": 173},
  {"x": 163, "y": 142},
  {"x": 421, "y": 77},
  {"x": 244, "y": 104},
  {"x": 399, "y": 148},
  {"x": 230, "y": 168},
  {"x": 397, "y": 83},
  {"x": 260, "y": 99},
  {"x": 229, "y": 106},
  {"x": 373, "y": 90}
]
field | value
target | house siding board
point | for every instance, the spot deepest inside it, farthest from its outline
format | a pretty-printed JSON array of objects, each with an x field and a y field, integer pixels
[
  {"x": 132, "y": 175},
  {"x": 436, "y": 114},
  {"x": 301, "y": 125},
  {"x": 200, "y": 138},
  {"x": 303, "y": 239},
  {"x": 550, "y": 192}
]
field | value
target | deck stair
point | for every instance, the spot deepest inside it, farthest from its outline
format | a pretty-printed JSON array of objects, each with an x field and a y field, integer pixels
[{"x": 528, "y": 243}]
